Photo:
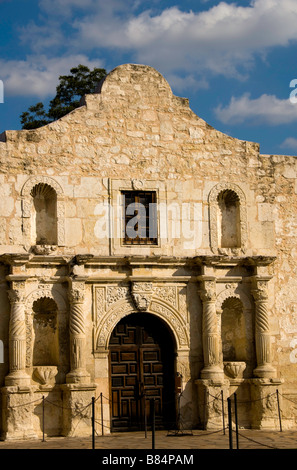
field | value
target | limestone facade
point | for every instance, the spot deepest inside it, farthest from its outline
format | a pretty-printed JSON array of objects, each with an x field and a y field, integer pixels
[{"x": 219, "y": 271}]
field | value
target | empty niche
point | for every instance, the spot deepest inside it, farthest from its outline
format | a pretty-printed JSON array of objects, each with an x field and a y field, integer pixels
[
  {"x": 233, "y": 330},
  {"x": 46, "y": 341},
  {"x": 44, "y": 223},
  {"x": 228, "y": 219}
]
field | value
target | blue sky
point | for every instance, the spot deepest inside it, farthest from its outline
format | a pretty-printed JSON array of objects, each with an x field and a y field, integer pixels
[{"x": 234, "y": 60}]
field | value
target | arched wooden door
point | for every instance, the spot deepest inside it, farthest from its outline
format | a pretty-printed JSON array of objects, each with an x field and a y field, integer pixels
[{"x": 141, "y": 355}]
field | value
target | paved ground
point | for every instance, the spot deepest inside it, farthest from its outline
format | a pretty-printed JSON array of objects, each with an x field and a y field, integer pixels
[{"x": 247, "y": 439}]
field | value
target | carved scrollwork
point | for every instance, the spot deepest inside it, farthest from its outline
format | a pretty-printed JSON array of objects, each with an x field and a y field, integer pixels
[
  {"x": 116, "y": 293},
  {"x": 108, "y": 314}
]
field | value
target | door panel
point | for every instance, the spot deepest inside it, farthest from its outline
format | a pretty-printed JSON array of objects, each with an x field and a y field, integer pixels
[{"x": 137, "y": 363}]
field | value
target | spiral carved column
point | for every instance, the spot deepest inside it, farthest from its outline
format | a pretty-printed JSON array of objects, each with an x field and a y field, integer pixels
[
  {"x": 17, "y": 339},
  {"x": 264, "y": 368},
  {"x": 78, "y": 373},
  {"x": 211, "y": 341}
]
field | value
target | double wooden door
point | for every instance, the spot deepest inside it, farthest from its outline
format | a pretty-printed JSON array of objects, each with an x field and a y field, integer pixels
[{"x": 141, "y": 369}]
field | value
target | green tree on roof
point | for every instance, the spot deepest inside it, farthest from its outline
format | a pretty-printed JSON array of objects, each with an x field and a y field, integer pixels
[{"x": 68, "y": 95}]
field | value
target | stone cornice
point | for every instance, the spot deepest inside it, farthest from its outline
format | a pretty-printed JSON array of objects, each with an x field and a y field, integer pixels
[{"x": 20, "y": 259}]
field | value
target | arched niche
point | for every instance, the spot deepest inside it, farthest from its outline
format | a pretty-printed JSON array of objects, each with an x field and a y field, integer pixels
[
  {"x": 44, "y": 215},
  {"x": 229, "y": 233},
  {"x": 47, "y": 313},
  {"x": 43, "y": 212},
  {"x": 236, "y": 323},
  {"x": 233, "y": 331},
  {"x": 227, "y": 218},
  {"x": 45, "y": 332}
]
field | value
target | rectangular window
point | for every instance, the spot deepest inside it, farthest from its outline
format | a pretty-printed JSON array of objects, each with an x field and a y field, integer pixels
[{"x": 140, "y": 218}]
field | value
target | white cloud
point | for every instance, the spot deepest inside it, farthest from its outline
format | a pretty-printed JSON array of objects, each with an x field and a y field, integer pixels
[
  {"x": 223, "y": 39},
  {"x": 266, "y": 109},
  {"x": 63, "y": 7},
  {"x": 187, "y": 82},
  {"x": 290, "y": 142},
  {"x": 38, "y": 75}
]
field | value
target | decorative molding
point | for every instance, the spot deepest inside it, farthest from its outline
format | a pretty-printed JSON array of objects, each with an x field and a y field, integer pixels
[
  {"x": 116, "y": 293},
  {"x": 112, "y": 303}
]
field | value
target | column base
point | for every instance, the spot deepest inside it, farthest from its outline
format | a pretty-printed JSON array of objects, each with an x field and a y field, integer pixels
[
  {"x": 77, "y": 409},
  {"x": 18, "y": 406},
  {"x": 17, "y": 378},
  {"x": 210, "y": 408},
  {"x": 213, "y": 372},
  {"x": 78, "y": 376},
  {"x": 265, "y": 371},
  {"x": 264, "y": 407}
]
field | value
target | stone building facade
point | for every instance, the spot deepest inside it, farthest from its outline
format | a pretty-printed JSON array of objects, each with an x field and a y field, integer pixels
[{"x": 144, "y": 254}]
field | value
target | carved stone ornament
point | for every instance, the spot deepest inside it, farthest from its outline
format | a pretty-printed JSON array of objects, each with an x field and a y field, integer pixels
[
  {"x": 234, "y": 369},
  {"x": 45, "y": 374},
  {"x": 260, "y": 292},
  {"x": 138, "y": 184},
  {"x": 77, "y": 294},
  {"x": 208, "y": 292},
  {"x": 44, "y": 249},
  {"x": 142, "y": 293}
]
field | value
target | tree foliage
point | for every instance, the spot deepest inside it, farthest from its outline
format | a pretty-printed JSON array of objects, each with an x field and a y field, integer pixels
[{"x": 68, "y": 94}]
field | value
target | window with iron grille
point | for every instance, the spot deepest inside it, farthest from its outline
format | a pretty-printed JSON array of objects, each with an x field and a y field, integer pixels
[{"x": 139, "y": 217}]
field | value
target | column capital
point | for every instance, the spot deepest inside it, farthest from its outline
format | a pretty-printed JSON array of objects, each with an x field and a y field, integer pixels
[
  {"x": 260, "y": 287},
  {"x": 76, "y": 293},
  {"x": 208, "y": 290}
]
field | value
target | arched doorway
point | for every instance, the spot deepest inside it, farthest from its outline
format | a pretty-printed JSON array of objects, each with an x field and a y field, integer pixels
[{"x": 142, "y": 367}]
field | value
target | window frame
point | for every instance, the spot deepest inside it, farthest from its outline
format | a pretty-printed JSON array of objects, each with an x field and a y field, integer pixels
[{"x": 151, "y": 216}]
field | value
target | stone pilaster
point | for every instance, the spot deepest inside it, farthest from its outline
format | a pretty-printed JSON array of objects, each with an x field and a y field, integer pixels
[
  {"x": 17, "y": 337},
  {"x": 211, "y": 341},
  {"x": 264, "y": 367},
  {"x": 78, "y": 373}
]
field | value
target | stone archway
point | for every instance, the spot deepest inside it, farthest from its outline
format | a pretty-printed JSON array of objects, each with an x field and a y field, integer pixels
[
  {"x": 141, "y": 369},
  {"x": 113, "y": 303}
]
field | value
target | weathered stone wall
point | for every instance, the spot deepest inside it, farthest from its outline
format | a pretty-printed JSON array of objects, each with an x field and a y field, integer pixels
[{"x": 135, "y": 134}]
